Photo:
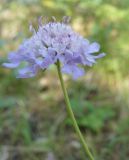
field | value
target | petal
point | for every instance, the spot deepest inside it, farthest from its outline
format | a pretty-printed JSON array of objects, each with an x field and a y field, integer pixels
[
  {"x": 43, "y": 51},
  {"x": 67, "y": 69},
  {"x": 27, "y": 72},
  {"x": 85, "y": 42},
  {"x": 68, "y": 55},
  {"x": 26, "y": 75},
  {"x": 13, "y": 57},
  {"x": 91, "y": 59},
  {"x": 100, "y": 55},
  {"x": 46, "y": 62},
  {"x": 75, "y": 60},
  {"x": 78, "y": 72},
  {"x": 24, "y": 70},
  {"x": 86, "y": 62},
  {"x": 10, "y": 65},
  {"x": 94, "y": 47},
  {"x": 52, "y": 53},
  {"x": 73, "y": 70}
]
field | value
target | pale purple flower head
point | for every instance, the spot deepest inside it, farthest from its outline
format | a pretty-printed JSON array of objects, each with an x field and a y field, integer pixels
[{"x": 51, "y": 42}]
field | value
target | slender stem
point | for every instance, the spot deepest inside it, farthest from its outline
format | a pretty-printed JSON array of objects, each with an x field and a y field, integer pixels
[{"x": 68, "y": 106}]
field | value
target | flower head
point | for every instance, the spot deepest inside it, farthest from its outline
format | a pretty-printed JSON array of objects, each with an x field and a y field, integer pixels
[{"x": 51, "y": 42}]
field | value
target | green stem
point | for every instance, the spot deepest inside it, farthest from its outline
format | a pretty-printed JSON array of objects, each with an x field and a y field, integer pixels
[{"x": 87, "y": 151}]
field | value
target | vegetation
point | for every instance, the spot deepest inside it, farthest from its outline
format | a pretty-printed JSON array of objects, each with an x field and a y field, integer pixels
[{"x": 33, "y": 121}]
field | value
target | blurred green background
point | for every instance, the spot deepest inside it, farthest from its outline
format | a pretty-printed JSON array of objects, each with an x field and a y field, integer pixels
[{"x": 33, "y": 120}]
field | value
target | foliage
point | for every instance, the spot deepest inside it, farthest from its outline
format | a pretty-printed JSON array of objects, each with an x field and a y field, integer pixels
[
  {"x": 90, "y": 116},
  {"x": 33, "y": 121}
]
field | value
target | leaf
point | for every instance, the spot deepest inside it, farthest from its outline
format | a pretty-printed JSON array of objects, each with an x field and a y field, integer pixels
[{"x": 7, "y": 102}]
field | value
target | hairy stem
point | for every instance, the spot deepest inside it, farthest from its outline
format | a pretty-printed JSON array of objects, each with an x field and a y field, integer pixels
[{"x": 70, "y": 112}]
